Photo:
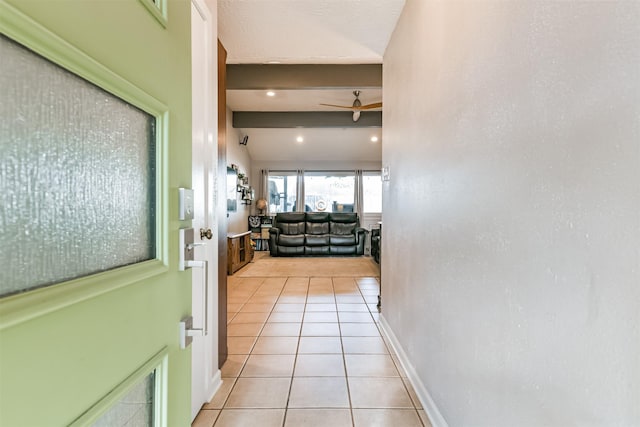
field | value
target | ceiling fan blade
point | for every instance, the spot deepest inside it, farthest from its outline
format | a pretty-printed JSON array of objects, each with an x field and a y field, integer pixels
[
  {"x": 338, "y": 106},
  {"x": 371, "y": 106}
]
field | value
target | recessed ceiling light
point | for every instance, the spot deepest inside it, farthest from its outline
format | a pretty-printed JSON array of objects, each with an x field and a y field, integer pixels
[
  {"x": 374, "y": 139},
  {"x": 273, "y": 62},
  {"x": 271, "y": 93},
  {"x": 299, "y": 139}
]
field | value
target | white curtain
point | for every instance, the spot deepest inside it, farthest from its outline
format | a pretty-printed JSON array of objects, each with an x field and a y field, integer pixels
[
  {"x": 264, "y": 188},
  {"x": 358, "y": 196},
  {"x": 300, "y": 190}
]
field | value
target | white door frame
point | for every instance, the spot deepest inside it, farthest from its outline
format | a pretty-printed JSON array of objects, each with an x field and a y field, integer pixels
[{"x": 205, "y": 375}]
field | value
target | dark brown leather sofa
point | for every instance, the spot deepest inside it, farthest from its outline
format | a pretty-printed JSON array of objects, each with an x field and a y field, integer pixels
[{"x": 316, "y": 233}]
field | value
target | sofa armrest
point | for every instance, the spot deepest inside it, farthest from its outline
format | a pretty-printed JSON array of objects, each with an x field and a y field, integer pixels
[
  {"x": 361, "y": 234},
  {"x": 274, "y": 231},
  {"x": 274, "y": 234}
]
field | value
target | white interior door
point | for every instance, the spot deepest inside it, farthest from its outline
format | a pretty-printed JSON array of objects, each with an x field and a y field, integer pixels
[{"x": 205, "y": 375}]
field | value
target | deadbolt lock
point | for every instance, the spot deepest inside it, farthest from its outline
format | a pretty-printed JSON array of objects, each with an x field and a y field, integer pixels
[{"x": 206, "y": 233}]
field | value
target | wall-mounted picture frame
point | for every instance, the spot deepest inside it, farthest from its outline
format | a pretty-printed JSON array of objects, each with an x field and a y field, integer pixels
[{"x": 232, "y": 196}]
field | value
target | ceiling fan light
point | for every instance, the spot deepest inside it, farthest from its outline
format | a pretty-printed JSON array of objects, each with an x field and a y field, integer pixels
[{"x": 356, "y": 116}]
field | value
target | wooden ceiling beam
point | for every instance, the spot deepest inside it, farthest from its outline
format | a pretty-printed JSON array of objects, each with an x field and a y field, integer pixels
[
  {"x": 303, "y": 76},
  {"x": 305, "y": 119}
]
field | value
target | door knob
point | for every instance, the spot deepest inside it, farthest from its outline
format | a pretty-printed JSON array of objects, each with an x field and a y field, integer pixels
[{"x": 206, "y": 233}]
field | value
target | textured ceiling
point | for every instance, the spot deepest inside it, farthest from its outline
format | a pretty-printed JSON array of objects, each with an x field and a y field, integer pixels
[{"x": 307, "y": 31}]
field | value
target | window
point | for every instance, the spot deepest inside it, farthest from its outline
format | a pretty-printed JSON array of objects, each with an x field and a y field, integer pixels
[
  {"x": 282, "y": 191},
  {"x": 324, "y": 191},
  {"x": 372, "y": 192},
  {"x": 329, "y": 191}
]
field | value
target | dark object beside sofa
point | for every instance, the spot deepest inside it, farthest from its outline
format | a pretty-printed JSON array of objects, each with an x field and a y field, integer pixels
[
  {"x": 316, "y": 233},
  {"x": 375, "y": 244}
]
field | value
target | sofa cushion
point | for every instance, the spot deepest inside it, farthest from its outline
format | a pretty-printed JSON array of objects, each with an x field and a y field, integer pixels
[
  {"x": 342, "y": 228},
  {"x": 342, "y": 250},
  {"x": 292, "y": 228},
  {"x": 317, "y": 250},
  {"x": 343, "y": 217},
  {"x": 291, "y": 222},
  {"x": 317, "y": 227},
  {"x": 342, "y": 240},
  {"x": 317, "y": 239},
  {"x": 317, "y": 216},
  {"x": 317, "y": 223},
  {"x": 291, "y": 240},
  {"x": 291, "y": 250},
  {"x": 343, "y": 223},
  {"x": 290, "y": 217}
]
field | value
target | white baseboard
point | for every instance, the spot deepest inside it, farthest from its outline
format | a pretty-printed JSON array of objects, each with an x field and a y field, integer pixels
[
  {"x": 214, "y": 384},
  {"x": 435, "y": 417}
]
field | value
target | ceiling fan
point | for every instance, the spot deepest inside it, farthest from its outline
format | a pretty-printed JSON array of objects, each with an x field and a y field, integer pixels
[{"x": 357, "y": 106}]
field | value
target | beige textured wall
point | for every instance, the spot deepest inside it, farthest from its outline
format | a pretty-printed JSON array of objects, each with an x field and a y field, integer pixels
[
  {"x": 511, "y": 233},
  {"x": 238, "y": 155}
]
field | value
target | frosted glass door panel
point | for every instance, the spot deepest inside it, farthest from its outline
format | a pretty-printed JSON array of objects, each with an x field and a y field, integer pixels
[
  {"x": 135, "y": 409},
  {"x": 77, "y": 175}
]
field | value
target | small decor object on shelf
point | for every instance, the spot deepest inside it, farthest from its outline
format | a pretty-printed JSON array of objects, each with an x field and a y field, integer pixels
[
  {"x": 264, "y": 231},
  {"x": 247, "y": 195},
  {"x": 254, "y": 222},
  {"x": 261, "y": 205}
]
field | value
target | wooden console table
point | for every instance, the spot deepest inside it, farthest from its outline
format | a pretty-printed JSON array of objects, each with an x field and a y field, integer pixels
[{"x": 239, "y": 251}]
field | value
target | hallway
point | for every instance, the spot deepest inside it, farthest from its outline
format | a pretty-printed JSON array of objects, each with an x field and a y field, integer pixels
[{"x": 307, "y": 351}]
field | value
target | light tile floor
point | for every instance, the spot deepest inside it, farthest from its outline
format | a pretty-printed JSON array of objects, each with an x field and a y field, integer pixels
[{"x": 305, "y": 352}]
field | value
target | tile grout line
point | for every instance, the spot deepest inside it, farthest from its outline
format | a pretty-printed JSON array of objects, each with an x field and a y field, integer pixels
[
  {"x": 344, "y": 360},
  {"x": 295, "y": 360}
]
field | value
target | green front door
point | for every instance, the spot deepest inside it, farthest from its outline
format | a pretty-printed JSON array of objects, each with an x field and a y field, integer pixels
[{"x": 107, "y": 330}]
